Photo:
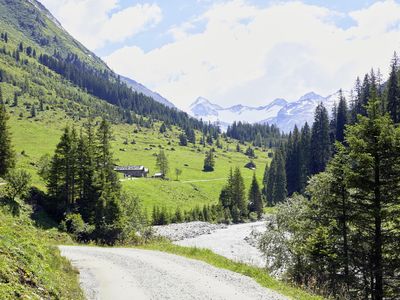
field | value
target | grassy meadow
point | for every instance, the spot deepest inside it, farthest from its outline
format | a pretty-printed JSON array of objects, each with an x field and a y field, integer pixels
[{"x": 34, "y": 137}]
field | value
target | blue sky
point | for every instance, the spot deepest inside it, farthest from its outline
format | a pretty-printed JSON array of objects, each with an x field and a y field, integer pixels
[
  {"x": 178, "y": 11},
  {"x": 236, "y": 51}
]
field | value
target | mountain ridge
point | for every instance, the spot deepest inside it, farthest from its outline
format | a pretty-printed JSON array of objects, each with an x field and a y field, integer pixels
[{"x": 280, "y": 112}]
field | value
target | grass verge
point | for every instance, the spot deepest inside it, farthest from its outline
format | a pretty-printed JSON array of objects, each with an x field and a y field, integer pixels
[
  {"x": 258, "y": 274},
  {"x": 31, "y": 266}
]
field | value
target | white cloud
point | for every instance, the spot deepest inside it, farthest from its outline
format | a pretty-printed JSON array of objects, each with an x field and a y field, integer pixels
[
  {"x": 98, "y": 22},
  {"x": 251, "y": 55}
]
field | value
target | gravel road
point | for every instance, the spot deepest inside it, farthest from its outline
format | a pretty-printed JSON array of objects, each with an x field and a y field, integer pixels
[{"x": 122, "y": 273}]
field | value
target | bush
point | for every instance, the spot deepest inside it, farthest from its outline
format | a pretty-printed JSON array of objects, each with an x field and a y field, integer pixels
[{"x": 74, "y": 224}]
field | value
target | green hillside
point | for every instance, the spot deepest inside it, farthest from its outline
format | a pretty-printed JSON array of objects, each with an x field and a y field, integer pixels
[
  {"x": 32, "y": 268},
  {"x": 42, "y": 102},
  {"x": 34, "y": 137}
]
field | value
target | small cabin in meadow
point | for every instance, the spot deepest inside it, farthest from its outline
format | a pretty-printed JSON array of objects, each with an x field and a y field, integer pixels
[{"x": 132, "y": 171}]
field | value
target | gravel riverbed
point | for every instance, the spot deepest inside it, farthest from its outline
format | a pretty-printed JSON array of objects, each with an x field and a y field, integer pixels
[{"x": 237, "y": 242}]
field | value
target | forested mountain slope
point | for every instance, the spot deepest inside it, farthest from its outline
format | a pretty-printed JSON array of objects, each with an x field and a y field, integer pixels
[{"x": 34, "y": 36}]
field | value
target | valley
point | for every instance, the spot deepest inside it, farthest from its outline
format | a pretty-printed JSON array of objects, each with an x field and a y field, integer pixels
[
  {"x": 109, "y": 191},
  {"x": 35, "y": 137}
]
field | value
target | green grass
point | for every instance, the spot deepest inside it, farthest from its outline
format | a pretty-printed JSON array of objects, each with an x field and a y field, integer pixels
[
  {"x": 259, "y": 275},
  {"x": 34, "y": 137},
  {"x": 31, "y": 266}
]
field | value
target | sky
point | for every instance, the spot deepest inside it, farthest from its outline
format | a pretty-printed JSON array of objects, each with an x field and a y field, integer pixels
[{"x": 231, "y": 52}]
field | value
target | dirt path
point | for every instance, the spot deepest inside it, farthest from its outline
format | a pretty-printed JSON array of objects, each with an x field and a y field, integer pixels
[
  {"x": 122, "y": 273},
  {"x": 207, "y": 180}
]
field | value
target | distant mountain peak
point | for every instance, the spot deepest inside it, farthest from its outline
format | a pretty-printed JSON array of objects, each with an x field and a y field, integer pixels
[
  {"x": 140, "y": 88},
  {"x": 280, "y": 112},
  {"x": 204, "y": 101},
  {"x": 310, "y": 96},
  {"x": 208, "y": 111}
]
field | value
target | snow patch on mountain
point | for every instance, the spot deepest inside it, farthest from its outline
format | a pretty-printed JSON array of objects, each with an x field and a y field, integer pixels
[
  {"x": 302, "y": 111},
  {"x": 279, "y": 112},
  {"x": 204, "y": 109}
]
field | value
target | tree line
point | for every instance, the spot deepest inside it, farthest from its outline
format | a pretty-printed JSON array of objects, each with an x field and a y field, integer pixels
[
  {"x": 261, "y": 135},
  {"x": 341, "y": 238}
]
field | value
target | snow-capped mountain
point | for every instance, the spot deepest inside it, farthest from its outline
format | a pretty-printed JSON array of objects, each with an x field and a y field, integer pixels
[
  {"x": 206, "y": 110},
  {"x": 279, "y": 112},
  {"x": 140, "y": 88},
  {"x": 301, "y": 111}
]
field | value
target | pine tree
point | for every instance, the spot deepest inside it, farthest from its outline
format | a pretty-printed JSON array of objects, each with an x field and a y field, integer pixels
[
  {"x": 209, "y": 162},
  {"x": 62, "y": 176},
  {"x": 183, "y": 140},
  {"x": 162, "y": 163},
  {"x": 393, "y": 91},
  {"x": 191, "y": 136},
  {"x": 374, "y": 178},
  {"x": 105, "y": 160},
  {"x": 356, "y": 101},
  {"x": 225, "y": 197},
  {"x": 365, "y": 95},
  {"x": 341, "y": 118},
  {"x": 15, "y": 103},
  {"x": 279, "y": 191},
  {"x": 305, "y": 156},
  {"x": 293, "y": 163},
  {"x": 255, "y": 200},
  {"x": 320, "y": 141},
  {"x": 7, "y": 157},
  {"x": 269, "y": 182},
  {"x": 108, "y": 215},
  {"x": 33, "y": 111},
  {"x": 88, "y": 190},
  {"x": 163, "y": 128},
  {"x": 41, "y": 105},
  {"x": 240, "y": 205}
]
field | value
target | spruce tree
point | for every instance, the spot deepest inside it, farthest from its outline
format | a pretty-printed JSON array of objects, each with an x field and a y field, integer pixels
[
  {"x": 255, "y": 200},
  {"x": 183, "y": 140},
  {"x": 162, "y": 163},
  {"x": 33, "y": 111},
  {"x": 209, "y": 161},
  {"x": 365, "y": 95},
  {"x": 356, "y": 108},
  {"x": 7, "y": 157},
  {"x": 240, "y": 205},
  {"x": 341, "y": 118},
  {"x": 269, "y": 182},
  {"x": 320, "y": 141},
  {"x": 88, "y": 189},
  {"x": 163, "y": 128},
  {"x": 293, "y": 163},
  {"x": 393, "y": 92},
  {"x": 62, "y": 176},
  {"x": 305, "y": 156},
  {"x": 373, "y": 177},
  {"x": 279, "y": 191},
  {"x": 108, "y": 208}
]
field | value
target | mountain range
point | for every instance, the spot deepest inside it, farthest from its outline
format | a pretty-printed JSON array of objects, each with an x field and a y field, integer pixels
[
  {"x": 283, "y": 113},
  {"x": 280, "y": 112}
]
